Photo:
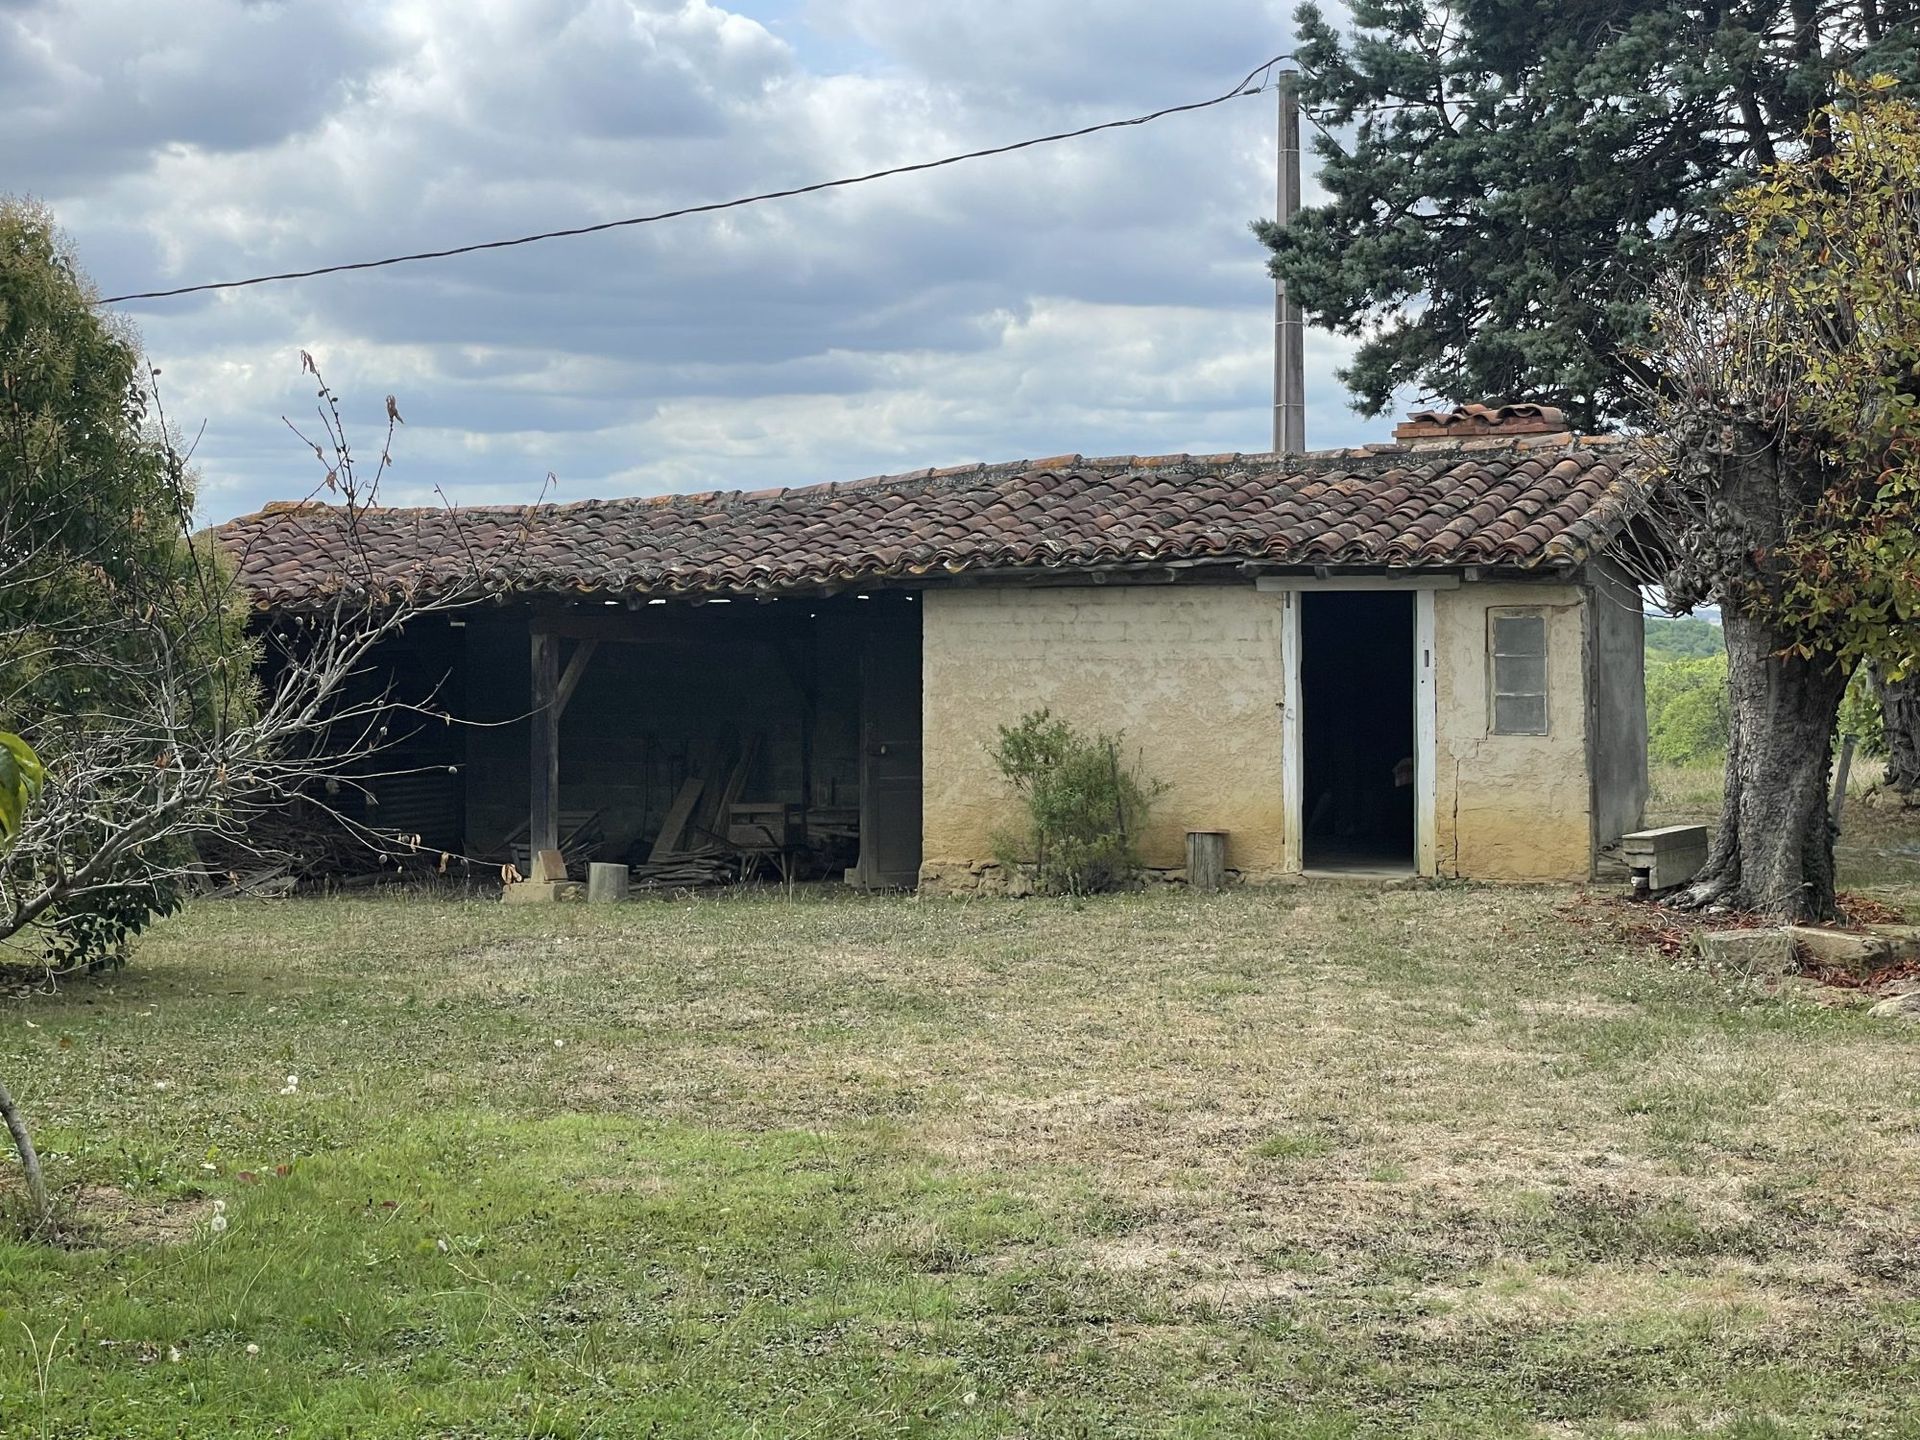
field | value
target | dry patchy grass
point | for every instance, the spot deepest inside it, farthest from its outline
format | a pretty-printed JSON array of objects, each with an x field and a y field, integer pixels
[{"x": 1315, "y": 1161}]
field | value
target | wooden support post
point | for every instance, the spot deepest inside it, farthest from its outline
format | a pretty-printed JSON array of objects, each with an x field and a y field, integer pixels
[
  {"x": 1207, "y": 859},
  {"x": 543, "y": 831},
  {"x": 1838, "y": 804},
  {"x": 606, "y": 884}
]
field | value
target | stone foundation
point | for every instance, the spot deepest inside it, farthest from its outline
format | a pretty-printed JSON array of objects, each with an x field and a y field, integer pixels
[{"x": 943, "y": 878}]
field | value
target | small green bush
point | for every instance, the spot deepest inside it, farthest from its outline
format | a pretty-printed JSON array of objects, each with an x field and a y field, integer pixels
[{"x": 1084, "y": 808}]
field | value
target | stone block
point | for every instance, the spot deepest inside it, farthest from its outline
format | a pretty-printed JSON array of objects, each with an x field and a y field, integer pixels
[
  {"x": 540, "y": 892},
  {"x": 1851, "y": 952},
  {"x": 1898, "y": 1007},
  {"x": 1761, "y": 954},
  {"x": 1905, "y": 939}
]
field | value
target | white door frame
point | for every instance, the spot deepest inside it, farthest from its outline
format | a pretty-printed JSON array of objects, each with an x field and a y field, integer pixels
[{"x": 1425, "y": 716}]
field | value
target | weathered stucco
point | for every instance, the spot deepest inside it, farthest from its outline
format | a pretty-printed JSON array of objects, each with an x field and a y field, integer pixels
[
  {"x": 1510, "y": 807},
  {"x": 1191, "y": 674},
  {"x": 1194, "y": 677}
]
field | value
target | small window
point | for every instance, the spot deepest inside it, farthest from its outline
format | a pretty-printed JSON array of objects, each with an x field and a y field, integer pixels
[{"x": 1519, "y": 645}]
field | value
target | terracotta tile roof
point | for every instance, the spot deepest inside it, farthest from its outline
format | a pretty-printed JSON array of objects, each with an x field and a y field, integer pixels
[
  {"x": 1465, "y": 421},
  {"x": 1524, "y": 504}
]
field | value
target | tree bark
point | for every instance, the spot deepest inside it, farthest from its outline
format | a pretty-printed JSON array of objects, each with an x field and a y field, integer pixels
[
  {"x": 1900, "y": 714},
  {"x": 1773, "y": 852},
  {"x": 29, "y": 1163}
]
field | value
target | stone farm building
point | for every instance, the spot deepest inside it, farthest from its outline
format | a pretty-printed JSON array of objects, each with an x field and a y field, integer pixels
[{"x": 1418, "y": 657}]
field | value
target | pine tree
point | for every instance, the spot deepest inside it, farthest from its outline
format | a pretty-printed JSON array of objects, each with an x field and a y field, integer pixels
[{"x": 1507, "y": 176}]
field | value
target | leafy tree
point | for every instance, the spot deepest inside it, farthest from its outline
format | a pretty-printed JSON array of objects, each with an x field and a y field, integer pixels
[
  {"x": 1687, "y": 719},
  {"x": 126, "y": 664},
  {"x": 1682, "y": 637},
  {"x": 102, "y": 594},
  {"x": 21, "y": 779},
  {"x": 21, "y": 776},
  {"x": 1785, "y": 410},
  {"x": 1861, "y": 715},
  {"x": 1507, "y": 176}
]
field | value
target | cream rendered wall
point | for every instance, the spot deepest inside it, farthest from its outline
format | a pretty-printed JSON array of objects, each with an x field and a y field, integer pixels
[
  {"x": 1510, "y": 807},
  {"x": 1191, "y": 674}
]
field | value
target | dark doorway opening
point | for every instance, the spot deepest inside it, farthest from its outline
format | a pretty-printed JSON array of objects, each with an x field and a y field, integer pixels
[{"x": 1357, "y": 732}]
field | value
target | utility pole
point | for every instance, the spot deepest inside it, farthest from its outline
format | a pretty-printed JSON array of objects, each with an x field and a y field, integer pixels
[{"x": 1289, "y": 384}]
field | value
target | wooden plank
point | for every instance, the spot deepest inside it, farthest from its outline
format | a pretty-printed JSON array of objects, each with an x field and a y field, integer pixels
[
  {"x": 679, "y": 625},
  {"x": 1270, "y": 583},
  {"x": 675, "y": 825},
  {"x": 543, "y": 823},
  {"x": 570, "y": 677},
  {"x": 736, "y": 784}
]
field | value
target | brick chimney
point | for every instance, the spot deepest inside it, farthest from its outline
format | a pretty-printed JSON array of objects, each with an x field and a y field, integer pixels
[{"x": 1427, "y": 428}]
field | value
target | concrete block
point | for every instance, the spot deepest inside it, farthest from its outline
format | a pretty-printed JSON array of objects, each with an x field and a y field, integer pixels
[
  {"x": 1669, "y": 856},
  {"x": 607, "y": 884},
  {"x": 1761, "y": 954}
]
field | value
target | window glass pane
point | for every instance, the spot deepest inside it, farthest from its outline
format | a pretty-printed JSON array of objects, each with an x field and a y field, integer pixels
[
  {"x": 1520, "y": 635},
  {"x": 1520, "y": 714},
  {"x": 1520, "y": 675}
]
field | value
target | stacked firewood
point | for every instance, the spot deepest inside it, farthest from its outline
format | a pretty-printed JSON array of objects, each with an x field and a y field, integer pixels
[{"x": 704, "y": 865}]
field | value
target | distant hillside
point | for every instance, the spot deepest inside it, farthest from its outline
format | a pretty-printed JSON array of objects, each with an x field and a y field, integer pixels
[{"x": 1684, "y": 638}]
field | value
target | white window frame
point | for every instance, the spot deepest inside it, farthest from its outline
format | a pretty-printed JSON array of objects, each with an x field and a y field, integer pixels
[{"x": 1495, "y": 614}]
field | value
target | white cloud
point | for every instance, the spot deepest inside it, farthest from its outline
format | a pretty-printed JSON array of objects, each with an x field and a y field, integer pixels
[{"x": 1102, "y": 296}]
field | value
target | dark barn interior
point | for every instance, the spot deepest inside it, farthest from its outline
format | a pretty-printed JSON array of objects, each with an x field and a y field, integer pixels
[
  {"x": 697, "y": 741},
  {"x": 1358, "y": 729}
]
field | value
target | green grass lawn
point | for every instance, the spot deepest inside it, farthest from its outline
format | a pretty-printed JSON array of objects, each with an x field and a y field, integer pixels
[{"x": 1308, "y": 1162}]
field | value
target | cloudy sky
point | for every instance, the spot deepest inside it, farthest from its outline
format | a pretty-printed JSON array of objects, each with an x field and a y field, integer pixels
[{"x": 1100, "y": 296}]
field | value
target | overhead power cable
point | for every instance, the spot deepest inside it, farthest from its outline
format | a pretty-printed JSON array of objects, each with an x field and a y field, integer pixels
[{"x": 1244, "y": 88}]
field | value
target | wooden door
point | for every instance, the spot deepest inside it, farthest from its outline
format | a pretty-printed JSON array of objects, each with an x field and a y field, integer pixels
[{"x": 890, "y": 804}]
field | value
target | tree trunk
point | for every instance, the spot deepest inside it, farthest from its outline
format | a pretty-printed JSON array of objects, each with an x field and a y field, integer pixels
[
  {"x": 29, "y": 1163},
  {"x": 1773, "y": 854},
  {"x": 1900, "y": 713}
]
